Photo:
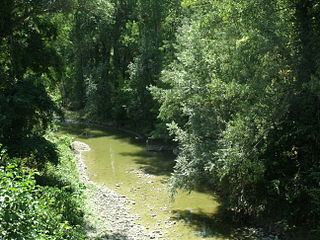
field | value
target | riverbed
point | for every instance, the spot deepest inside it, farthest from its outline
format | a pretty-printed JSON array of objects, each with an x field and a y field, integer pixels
[{"x": 123, "y": 164}]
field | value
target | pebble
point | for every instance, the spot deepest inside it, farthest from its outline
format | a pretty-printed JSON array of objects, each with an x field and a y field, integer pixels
[{"x": 110, "y": 209}]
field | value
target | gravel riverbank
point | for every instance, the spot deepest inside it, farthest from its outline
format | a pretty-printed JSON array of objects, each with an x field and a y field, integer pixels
[{"x": 109, "y": 213}]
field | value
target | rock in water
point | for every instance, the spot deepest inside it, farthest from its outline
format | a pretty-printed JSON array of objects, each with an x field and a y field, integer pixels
[{"x": 80, "y": 146}]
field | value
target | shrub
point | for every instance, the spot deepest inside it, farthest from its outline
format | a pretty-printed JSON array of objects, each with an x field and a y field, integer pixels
[{"x": 28, "y": 211}]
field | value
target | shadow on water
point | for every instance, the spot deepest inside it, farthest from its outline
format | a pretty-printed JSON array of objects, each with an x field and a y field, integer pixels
[
  {"x": 159, "y": 164},
  {"x": 207, "y": 225},
  {"x": 87, "y": 132},
  {"x": 84, "y": 131},
  {"x": 155, "y": 163}
]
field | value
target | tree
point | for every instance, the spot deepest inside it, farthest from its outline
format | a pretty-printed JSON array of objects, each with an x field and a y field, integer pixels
[
  {"x": 29, "y": 64},
  {"x": 233, "y": 99},
  {"x": 117, "y": 53}
]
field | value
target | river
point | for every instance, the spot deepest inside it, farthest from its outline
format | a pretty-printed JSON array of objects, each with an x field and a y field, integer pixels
[{"x": 122, "y": 164}]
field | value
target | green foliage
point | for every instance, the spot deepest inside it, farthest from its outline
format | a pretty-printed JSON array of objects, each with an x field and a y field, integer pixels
[
  {"x": 235, "y": 82},
  {"x": 241, "y": 100},
  {"x": 27, "y": 111},
  {"x": 116, "y": 54},
  {"x": 29, "y": 67},
  {"x": 29, "y": 211},
  {"x": 87, "y": 82}
]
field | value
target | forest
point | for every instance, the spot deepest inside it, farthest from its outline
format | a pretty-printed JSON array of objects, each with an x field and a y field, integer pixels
[{"x": 235, "y": 84}]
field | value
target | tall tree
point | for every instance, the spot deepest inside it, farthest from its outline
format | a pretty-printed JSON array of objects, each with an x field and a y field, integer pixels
[
  {"x": 241, "y": 99},
  {"x": 117, "y": 54},
  {"x": 28, "y": 65}
]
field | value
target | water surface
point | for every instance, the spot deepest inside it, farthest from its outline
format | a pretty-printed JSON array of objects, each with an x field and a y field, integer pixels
[{"x": 121, "y": 163}]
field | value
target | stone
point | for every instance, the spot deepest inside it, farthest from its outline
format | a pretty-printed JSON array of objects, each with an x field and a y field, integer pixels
[{"x": 110, "y": 210}]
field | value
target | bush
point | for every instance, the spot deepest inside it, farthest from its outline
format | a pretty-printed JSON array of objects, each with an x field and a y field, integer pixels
[{"x": 29, "y": 211}]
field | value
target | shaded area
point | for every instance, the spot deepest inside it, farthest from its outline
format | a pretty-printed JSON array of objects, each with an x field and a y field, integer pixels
[
  {"x": 207, "y": 225},
  {"x": 114, "y": 236},
  {"x": 35, "y": 151},
  {"x": 159, "y": 164},
  {"x": 222, "y": 225},
  {"x": 155, "y": 163},
  {"x": 104, "y": 236},
  {"x": 85, "y": 131}
]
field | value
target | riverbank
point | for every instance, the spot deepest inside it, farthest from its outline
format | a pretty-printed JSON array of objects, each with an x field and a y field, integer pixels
[
  {"x": 134, "y": 183},
  {"x": 109, "y": 214}
]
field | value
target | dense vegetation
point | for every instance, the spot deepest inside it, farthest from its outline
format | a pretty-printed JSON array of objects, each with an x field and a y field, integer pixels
[
  {"x": 41, "y": 205},
  {"x": 117, "y": 50},
  {"x": 40, "y": 197},
  {"x": 242, "y": 99},
  {"x": 235, "y": 83}
]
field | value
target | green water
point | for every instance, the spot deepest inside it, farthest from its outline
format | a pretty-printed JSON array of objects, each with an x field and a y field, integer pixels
[{"x": 119, "y": 162}]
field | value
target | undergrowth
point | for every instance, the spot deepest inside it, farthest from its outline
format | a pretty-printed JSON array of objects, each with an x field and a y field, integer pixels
[{"x": 44, "y": 204}]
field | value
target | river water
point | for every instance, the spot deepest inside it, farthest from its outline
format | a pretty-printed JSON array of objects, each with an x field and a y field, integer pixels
[{"x": 122, "y": 164}]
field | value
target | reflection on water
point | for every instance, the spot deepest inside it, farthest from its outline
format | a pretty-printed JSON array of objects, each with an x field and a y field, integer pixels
[{"x": 121, "y": 163}]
